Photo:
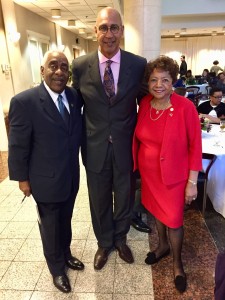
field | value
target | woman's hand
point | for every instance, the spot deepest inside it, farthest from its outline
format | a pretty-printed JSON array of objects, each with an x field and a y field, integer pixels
[{"x": 190, "y": 192}]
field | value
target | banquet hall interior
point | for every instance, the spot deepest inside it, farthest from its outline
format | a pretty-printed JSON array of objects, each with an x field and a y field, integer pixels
[{"x": 27, "y": 30}]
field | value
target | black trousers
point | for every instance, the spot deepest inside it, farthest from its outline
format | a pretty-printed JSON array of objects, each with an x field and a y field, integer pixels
[
  {"x": 56, "y": 233},
  {"x": 111, "y": 195}
]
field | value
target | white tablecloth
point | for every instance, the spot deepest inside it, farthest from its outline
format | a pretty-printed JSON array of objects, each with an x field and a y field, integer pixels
[
  {"x": 216, "y": 183},
  {"x": 201, "y": 86}
]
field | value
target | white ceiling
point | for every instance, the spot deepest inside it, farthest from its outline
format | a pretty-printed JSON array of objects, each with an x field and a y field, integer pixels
[{"x": 85, "y": 11}]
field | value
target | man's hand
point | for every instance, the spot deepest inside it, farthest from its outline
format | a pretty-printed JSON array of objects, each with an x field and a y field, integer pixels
[{"x": 24, "y": 186}]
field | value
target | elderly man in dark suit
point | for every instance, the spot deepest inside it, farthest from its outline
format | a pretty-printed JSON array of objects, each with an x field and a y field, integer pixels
[
  {"x": 110, "y": 81},
  {"x": 44, "y": 141}
]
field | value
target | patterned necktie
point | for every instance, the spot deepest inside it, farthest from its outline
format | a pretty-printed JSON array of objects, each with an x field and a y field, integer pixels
[
  {"x": 108, "y": 81},
  {"x": 63, "y": 110}
]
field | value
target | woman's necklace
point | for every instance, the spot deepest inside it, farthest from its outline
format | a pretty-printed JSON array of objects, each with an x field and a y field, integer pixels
[{"x": 157, "y": 110}]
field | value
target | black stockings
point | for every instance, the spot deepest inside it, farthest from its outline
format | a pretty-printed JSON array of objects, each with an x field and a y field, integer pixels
[{"x": 176, "y": 240}]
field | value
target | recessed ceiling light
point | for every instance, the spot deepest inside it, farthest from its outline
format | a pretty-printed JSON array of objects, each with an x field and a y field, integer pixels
[
  {"x": 56, "y": 13},
  {"x": 81, "y": 31},
  {"x": 71, "y": 23}
]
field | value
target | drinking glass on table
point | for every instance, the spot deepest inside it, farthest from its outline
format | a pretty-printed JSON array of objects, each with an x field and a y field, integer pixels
[{"x": 222, "y": 125}]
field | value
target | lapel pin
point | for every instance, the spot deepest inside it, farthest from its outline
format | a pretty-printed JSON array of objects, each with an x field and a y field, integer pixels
[
  {"x": 171, "y": 115},
  {"x": 171, "y": 109},
  {"x": 71, "y": 104}
]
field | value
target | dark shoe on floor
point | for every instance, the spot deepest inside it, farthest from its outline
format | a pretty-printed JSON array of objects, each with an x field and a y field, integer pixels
[
  {"x": 62, "y": 283},
  {"x": 75, "y": 264},
  {"x": 152, "y": 259},
  {"x": 101, "y": 257},
  {"x": 180, "y": 283},
  {"x": 139, "y": 225},
  {"x": 125, "y": 253}
]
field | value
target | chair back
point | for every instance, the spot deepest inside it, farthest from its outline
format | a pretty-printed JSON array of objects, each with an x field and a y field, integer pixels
[
  {"x": 211, "y": 158},
  {"x": 193, "y": 89},
  {"x": 208, "y": 88},
  {"x": 204, "y": 175}
]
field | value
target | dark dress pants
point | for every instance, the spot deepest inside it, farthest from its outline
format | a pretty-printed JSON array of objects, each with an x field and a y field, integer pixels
[
  {"x": 56, "y": 233},
  {"x": 111, "y": 202}
]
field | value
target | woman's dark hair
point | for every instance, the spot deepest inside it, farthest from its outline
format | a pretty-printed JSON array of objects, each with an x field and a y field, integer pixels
[
  {"x": 214, "y": 90},
  {"x": 162, "y": 63},
  {"x": 189, "y": 72},
  {"x": 215, "y": 62},
  {"x": 205, "y": 70}
]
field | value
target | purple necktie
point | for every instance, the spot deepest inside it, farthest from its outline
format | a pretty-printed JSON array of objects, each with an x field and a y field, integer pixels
[{"x": 108, "y": 81}]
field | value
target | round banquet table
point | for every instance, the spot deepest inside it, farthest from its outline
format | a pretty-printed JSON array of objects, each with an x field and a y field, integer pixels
[{"x": 214, "y": 142}]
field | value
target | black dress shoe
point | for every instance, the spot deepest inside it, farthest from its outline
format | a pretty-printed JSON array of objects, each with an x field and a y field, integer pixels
[
  {"x": 101, "y": 257},
  {"x": 152, "y": 259},
  {"x": 180, "y": 283},
  {"x": 139, "y": 225},
  {"x": 75, "y": 264},
  {"x": 62, "y": 283},
  {"x": 125, "y": 253}
]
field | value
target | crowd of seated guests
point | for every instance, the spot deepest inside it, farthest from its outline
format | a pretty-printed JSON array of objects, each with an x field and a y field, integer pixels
[{"x": 207, "y": 77}]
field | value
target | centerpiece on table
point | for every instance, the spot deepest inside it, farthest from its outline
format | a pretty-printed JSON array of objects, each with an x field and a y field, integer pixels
[{"x": 205, "y": 124}]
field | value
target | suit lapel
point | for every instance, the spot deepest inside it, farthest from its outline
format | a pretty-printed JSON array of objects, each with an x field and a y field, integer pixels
[
  {"x": 49, "y": 106},
  {"x": 95, "y": 76}
]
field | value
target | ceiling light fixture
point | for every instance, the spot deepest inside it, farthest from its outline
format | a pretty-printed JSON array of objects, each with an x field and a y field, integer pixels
[
  {"x": 223, "y": 29},
  {"x": 214, "y": 33},
  {"x": 100, "y": 7},
  {"x": 71, "y": 23},
  {"x": 56, "y": 13},
  {"x": 177, "y": 35},
  {"x": 81, "y": 31},
  {"x": 183, "y": 31},
  {"x": 89, "y": 35}
]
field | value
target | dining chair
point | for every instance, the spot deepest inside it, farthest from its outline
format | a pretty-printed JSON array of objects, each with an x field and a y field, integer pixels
[
  {"x": 203, "y": 177},
  {"x": 208, "y": 88},
  {"x": 192, "y": 89}
]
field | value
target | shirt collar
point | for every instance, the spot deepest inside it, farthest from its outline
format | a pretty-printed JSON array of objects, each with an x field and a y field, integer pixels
[
  {"x": 54, "y": 95},
  {"x": 115, "y": 58}
]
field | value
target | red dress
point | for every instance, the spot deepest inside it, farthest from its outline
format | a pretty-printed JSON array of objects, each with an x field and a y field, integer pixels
[{"x": 164, "y": 202}]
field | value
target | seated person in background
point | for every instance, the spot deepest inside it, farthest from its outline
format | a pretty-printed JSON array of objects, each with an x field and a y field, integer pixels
[
  {"x": 221, "y": 81},
  {"x": 180, "y": 82},
  {"x": 190, "y": 78},
  {"x": 212, "y": 79},
  {"x": 216, "y": 68},
  {"x": 205, "y": 76},
  {"x": 216, "y": 120},
  {"x": 180, "y": 91},
  {"x": 209, "y": 109}
]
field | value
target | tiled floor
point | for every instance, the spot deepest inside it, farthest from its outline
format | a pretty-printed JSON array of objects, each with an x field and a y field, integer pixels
[{"x": 24, "y": 274}]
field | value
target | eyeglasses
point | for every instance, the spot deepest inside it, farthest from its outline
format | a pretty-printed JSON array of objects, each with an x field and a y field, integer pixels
[
  {"x": 113, "y": 28},
  {"x": 217, "y": 97}
]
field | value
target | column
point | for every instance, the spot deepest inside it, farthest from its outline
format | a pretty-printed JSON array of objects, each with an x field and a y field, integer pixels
[
  {"x": 12, "y": 45},
  {"x": 142, "y": 21}
]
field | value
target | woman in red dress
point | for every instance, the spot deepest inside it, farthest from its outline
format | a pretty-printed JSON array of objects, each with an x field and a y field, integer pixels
[{"x": 167, "y": 151}]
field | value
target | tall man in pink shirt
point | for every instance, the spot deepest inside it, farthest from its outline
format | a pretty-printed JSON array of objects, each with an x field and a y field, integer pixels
[{"x": 109, "y": 118}]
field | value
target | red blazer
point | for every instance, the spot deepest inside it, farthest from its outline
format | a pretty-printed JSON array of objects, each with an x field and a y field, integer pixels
[{"x": 181, "y": 149}]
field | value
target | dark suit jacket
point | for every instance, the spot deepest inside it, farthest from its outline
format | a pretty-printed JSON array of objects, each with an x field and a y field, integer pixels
[
  {"x": 42, "y": 149},
  {"x": 103, "y": 117}
]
